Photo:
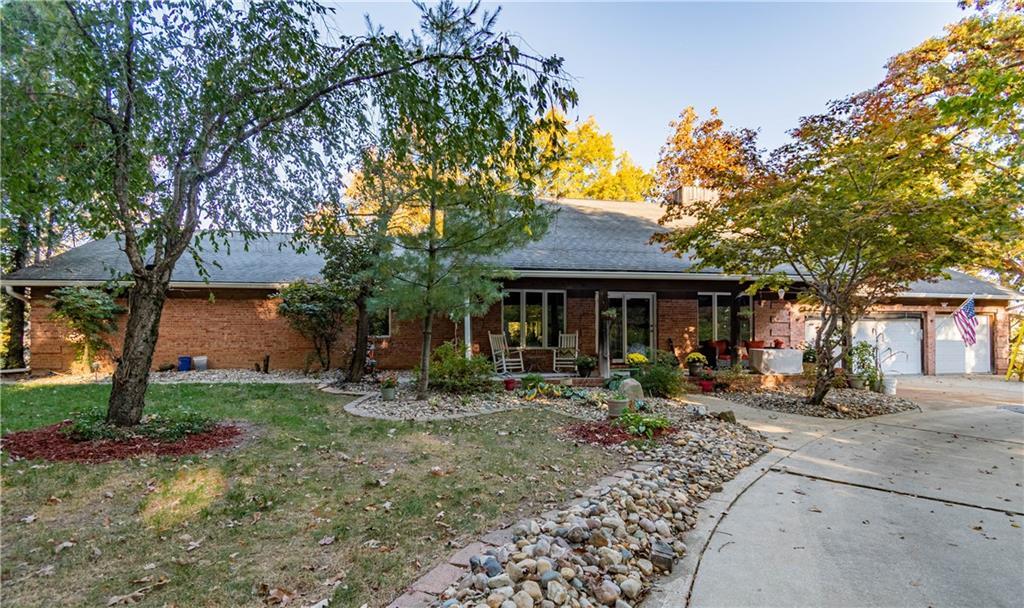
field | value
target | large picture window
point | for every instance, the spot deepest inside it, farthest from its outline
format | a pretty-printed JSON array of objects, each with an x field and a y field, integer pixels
[
  {"x": 533, "y": 318},
  {"x": 714, "y": 317}
]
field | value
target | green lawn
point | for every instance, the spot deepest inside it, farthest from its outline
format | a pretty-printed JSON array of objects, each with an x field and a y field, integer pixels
[{"x": 226, "y": 527}]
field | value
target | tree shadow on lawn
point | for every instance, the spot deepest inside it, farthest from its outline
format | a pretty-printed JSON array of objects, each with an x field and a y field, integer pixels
[{"x": 322, "y": 504}]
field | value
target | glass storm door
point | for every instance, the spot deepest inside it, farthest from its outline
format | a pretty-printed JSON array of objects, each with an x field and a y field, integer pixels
[{"x": 633, "y": 332}]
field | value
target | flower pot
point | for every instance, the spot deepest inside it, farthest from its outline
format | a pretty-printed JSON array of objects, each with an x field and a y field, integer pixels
[
  {"x": 584, "y": 372},
  {"x": 510, "y": 384},
  {"x": 856, "y": 383},
  {"x": 889, "y": 386},
  {"x": 389, "y": 394},
  {"x": 616, "y": 407},
  {"x": 706, "y": 386},
  {"x": 694, "y": 368}
]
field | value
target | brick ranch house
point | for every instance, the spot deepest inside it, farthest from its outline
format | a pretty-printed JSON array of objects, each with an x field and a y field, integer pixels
[{"x": 593, "y": 248}]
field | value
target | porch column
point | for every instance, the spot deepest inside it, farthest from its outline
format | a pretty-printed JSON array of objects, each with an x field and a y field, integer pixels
[{"x": 604, "y": 363}]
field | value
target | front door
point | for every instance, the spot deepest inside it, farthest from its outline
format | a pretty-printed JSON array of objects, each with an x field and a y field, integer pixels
[{"x": 633, "y": 332}]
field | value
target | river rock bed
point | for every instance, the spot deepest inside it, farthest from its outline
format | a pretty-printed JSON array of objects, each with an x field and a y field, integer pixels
[
  {"x": 839, "y": 402},
  {"x": 608, "y": 547}
]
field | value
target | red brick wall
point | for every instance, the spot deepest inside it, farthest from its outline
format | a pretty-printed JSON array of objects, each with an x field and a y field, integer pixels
[
  {"x": 236, "y": 328},
  {"x": 677, "y": 320}
]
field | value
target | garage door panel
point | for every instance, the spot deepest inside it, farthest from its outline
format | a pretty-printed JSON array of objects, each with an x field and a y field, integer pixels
[
  {"x": 898, "y": 340},
  {"x": 952, "y": 356}
]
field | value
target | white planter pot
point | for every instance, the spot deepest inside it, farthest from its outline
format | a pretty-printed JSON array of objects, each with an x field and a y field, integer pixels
[{"x": 889, "y": 385}]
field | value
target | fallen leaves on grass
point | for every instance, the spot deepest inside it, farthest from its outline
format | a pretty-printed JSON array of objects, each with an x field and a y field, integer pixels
[{"x": 139, "y": 594}]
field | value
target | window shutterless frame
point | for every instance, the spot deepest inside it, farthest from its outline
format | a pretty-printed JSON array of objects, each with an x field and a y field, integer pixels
[
  {"x": 714, "y": 295},
  {"x": 547, "y": 341}
]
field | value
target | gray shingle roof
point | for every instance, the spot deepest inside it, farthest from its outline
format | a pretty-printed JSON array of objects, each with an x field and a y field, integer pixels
[
  {"x": 267, "y": 261},
  {"x": 585, "y": 237}
]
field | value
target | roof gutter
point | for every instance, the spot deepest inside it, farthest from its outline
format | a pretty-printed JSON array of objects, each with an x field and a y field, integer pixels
[
  {"x": 628, "y": 274},
  {"x": 172, "y": 284}
]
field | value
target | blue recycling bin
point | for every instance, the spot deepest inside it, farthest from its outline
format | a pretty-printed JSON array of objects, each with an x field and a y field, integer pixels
[{"x": 184, "y": 364}]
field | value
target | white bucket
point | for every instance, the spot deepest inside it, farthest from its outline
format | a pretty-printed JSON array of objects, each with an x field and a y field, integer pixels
[
  {"x": 889, "y": 385},
  {"x": 199, "y": 363}
]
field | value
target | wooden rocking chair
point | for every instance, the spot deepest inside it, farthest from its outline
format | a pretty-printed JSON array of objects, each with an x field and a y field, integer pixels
[
  {"x": 506, "y": 360},
  {"x": 567, "y": 351}
]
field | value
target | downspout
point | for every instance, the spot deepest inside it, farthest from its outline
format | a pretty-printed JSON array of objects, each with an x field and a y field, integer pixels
[{"x": 17, "y": 296}]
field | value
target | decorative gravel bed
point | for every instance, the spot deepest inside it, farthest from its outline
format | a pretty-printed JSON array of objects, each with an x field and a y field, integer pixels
[
  {"x": 839, "y": 402},
  {"x": 607, "y": 549}
]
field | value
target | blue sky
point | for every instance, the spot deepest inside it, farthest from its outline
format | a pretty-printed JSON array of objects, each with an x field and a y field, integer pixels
[{"x": 763, "y": 65}]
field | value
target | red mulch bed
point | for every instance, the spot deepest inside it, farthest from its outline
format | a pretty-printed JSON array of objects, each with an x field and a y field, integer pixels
[
  {"x": 603, "y": 432},
  {"x": 48, "y": 443}
]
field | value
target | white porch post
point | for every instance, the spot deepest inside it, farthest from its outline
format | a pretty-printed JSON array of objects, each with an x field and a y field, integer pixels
[{"x": 467, "y": 333}]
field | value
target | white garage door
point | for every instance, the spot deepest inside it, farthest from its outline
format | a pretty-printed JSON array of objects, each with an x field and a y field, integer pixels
[
  {"x": 952, "y": 356},
  {"x": 899, "y": 346},
  {"x": 899, "y": 342}
]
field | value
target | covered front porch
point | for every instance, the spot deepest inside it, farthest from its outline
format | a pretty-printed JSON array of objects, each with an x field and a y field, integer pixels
[{"x": 614, "y": 318}]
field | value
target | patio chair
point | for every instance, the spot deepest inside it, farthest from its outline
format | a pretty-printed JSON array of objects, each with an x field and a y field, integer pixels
[
  {"x": 505, "y": 359},
  {"x": 567, "y": 351}
]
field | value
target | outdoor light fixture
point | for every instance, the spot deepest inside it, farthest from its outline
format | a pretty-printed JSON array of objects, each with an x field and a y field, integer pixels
[{"x": 782, "y": 293}]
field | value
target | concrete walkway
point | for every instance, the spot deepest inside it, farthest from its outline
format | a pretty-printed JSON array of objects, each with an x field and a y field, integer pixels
[{"x": 914, "y": 509}]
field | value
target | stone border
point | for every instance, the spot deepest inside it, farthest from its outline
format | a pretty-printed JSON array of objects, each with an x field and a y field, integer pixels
[{"x": 426, "y": 591}]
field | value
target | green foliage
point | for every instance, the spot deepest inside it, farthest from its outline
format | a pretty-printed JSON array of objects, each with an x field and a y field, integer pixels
[
  {"x": 612, "y": 382},
  {"x": 552, "y": 391},
  {"x": 864, "y": 358},
  {"x": 636, "y": 359},
  {"x": 586, "y": 361},
  {"x": 642, "y": 425},
  {"x": 532, "y": 381},
  {"x": 169, "y": 426},
  {"x": 454, "y": 373},
  {"x": 660, "y": 380},
  {"x": 318, "y": 311},
  {"x": 810, "y": 355},
  {"x": 91, "y": 314}
]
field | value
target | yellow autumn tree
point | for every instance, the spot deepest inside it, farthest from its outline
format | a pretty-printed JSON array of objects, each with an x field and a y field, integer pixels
[{"x": 584, "y": 164}]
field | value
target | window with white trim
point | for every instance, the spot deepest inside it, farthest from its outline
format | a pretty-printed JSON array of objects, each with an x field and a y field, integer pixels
[
  {"x": 533, "y": 317},
  {"x": 714, "y": 317}
]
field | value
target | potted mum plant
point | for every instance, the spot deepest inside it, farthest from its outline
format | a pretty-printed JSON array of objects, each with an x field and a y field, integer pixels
[
  {"x": 585, "y": 365},
  {"x": 695, "y": 362},
  {"x": 617, "y": 403},
  {"x": 706, "y": 381},
  {"x": 389, "y": 387}
]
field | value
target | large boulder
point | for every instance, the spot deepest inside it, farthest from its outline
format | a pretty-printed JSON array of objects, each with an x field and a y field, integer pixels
[{"x": 632, "y": 389}]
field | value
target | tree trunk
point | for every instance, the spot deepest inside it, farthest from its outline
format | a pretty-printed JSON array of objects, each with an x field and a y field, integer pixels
[
  {"x": 358, "y": 363},
  {"x": 424, "y": 380},
  {"x": 13, "y": 307},
  {"x": 131, "y": 378}
]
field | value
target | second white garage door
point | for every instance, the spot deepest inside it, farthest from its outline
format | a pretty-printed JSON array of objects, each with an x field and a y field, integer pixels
[
  {"x": 899, "y": 342},
  {"x": 952, "y": 356}
]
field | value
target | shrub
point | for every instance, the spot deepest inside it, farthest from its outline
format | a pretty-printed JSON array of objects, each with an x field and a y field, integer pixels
[
  {"x": 92, "y": 424},
  {"x": 318, "y": 311},
  {"x": 586, "y": 361},
  {"x": 642, "y": 425},
  {"x": 452, "y": 372},
  {"x": 661, "y": 380},
  {"x": 810, "y": 355},
  {"x": 864, "y": 356},
  {"x": 90, "y": 314},
  {"x": 531, "y": 381}
]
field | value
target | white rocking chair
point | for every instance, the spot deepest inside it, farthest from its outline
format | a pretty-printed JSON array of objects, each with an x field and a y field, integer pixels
[
  {"x": 567, "y": 351},
  {"x": 505, "y": 359}
]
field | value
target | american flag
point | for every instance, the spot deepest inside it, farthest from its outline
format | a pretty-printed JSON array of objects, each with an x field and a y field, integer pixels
[{"x": 966, "y": 321}]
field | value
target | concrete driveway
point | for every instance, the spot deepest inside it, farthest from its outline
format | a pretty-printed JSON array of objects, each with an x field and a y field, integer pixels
[{"x": 913, "y": 509}]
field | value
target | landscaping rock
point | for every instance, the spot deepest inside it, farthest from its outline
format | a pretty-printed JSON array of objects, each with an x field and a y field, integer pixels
[
  {"x": 632, "y": 389},
  {"x": 839, "y": 403}
]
